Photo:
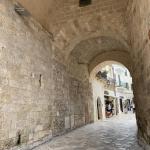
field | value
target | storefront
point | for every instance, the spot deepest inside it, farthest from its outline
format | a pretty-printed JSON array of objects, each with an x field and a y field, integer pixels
[{"x": 111, "y": 104}]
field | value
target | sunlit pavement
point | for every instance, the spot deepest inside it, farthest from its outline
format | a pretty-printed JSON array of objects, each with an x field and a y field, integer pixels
[{"x": 117, "y": 133}]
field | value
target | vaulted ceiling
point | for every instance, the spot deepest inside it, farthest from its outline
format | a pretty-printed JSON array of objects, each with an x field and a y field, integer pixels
[
  {"x": 75, "y": 29},
  {"x": 57, "y": 12},
  {"x": 89, "y": 49}
]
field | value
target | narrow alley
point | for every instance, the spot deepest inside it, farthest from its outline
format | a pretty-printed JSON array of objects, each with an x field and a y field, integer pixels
[{"x": 116, "y": 133}]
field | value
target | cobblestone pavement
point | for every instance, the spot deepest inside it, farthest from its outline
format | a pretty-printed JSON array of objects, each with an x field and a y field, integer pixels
[{"x": 118, "y": 133}]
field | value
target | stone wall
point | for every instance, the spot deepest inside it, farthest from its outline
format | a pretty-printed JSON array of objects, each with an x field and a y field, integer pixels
[
  {"x": 38, "y": 97},
  {"x": 81, "y": 95},
  {"x": 72, "y": 98},
  {"x": 71, "y": 24},
  {"x": 44, "y": 86},
  {"x": 25, "y": 79},
  {"x": 139, "y": 25}
]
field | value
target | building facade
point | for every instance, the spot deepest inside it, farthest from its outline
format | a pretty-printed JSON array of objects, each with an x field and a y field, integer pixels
[
  {"x": 124, "y": 87},
  {"x": 115, "y": 86}
]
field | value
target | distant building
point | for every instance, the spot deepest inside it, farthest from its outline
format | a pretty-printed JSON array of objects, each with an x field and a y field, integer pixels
[
  {"x": 124, "y": 86},
  {"x": 106, "y": 77},
  {"x": 117, "y": 88}
]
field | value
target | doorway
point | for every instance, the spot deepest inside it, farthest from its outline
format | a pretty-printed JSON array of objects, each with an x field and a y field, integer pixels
[
  {"x": 121, "y": 105},
  {"x": 99, "y": 108}
]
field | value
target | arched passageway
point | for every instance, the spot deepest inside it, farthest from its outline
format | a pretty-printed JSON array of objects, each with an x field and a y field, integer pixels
[
  {"x": 110, "y": 134},
  {"x": 111, "y": 82},
  {"x": 45, "y": 75},
  {"x": 90, "y": 55}
]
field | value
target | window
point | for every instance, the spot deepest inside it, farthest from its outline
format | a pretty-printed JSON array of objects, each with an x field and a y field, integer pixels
[
  {"x": 119, "y": 80},
  {"x": 83, "y": 3},
  {"x": 126, "y": 73},
  {"x": 127, "y": 85}
]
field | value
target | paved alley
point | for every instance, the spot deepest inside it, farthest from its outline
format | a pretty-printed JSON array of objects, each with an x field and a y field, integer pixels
[{"x": 118, "y": 133}]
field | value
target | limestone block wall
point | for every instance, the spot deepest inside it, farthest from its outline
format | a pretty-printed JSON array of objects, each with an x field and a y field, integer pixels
[
  {"x": 25, "y": 79},
  {"x": 73, "y": 105},
  {"x": 81, "y": 94},
  {"x": 38, "y": 95},
  {"x": 140, "y": 40}
]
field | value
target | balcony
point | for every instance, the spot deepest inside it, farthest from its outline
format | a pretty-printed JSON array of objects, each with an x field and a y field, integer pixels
[{"x": 103, "y": 76}]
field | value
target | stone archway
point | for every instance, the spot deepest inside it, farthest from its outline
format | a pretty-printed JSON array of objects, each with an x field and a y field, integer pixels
[
  {"x": 76, "y": 42},
  {"x": 85, "y": 58}
]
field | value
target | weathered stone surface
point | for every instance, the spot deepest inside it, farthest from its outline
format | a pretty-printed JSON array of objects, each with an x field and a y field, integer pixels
[
  {"x": 139, "y": 32},
  {"x": 44, "y": 76},
  {"x": 37, "y": 94},
  {"x": 112, "y": 134}
]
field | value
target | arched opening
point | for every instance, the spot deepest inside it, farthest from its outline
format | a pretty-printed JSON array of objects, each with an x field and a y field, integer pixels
[
  {"x": 112, "y": 83},
  {"x": 99, "y": 109},
  {"x": 84, "y": 64},
  {"x": 85, "y": 60},
  {"x": 85, "y": 56},
  {"x": 77, "y": 41}
]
